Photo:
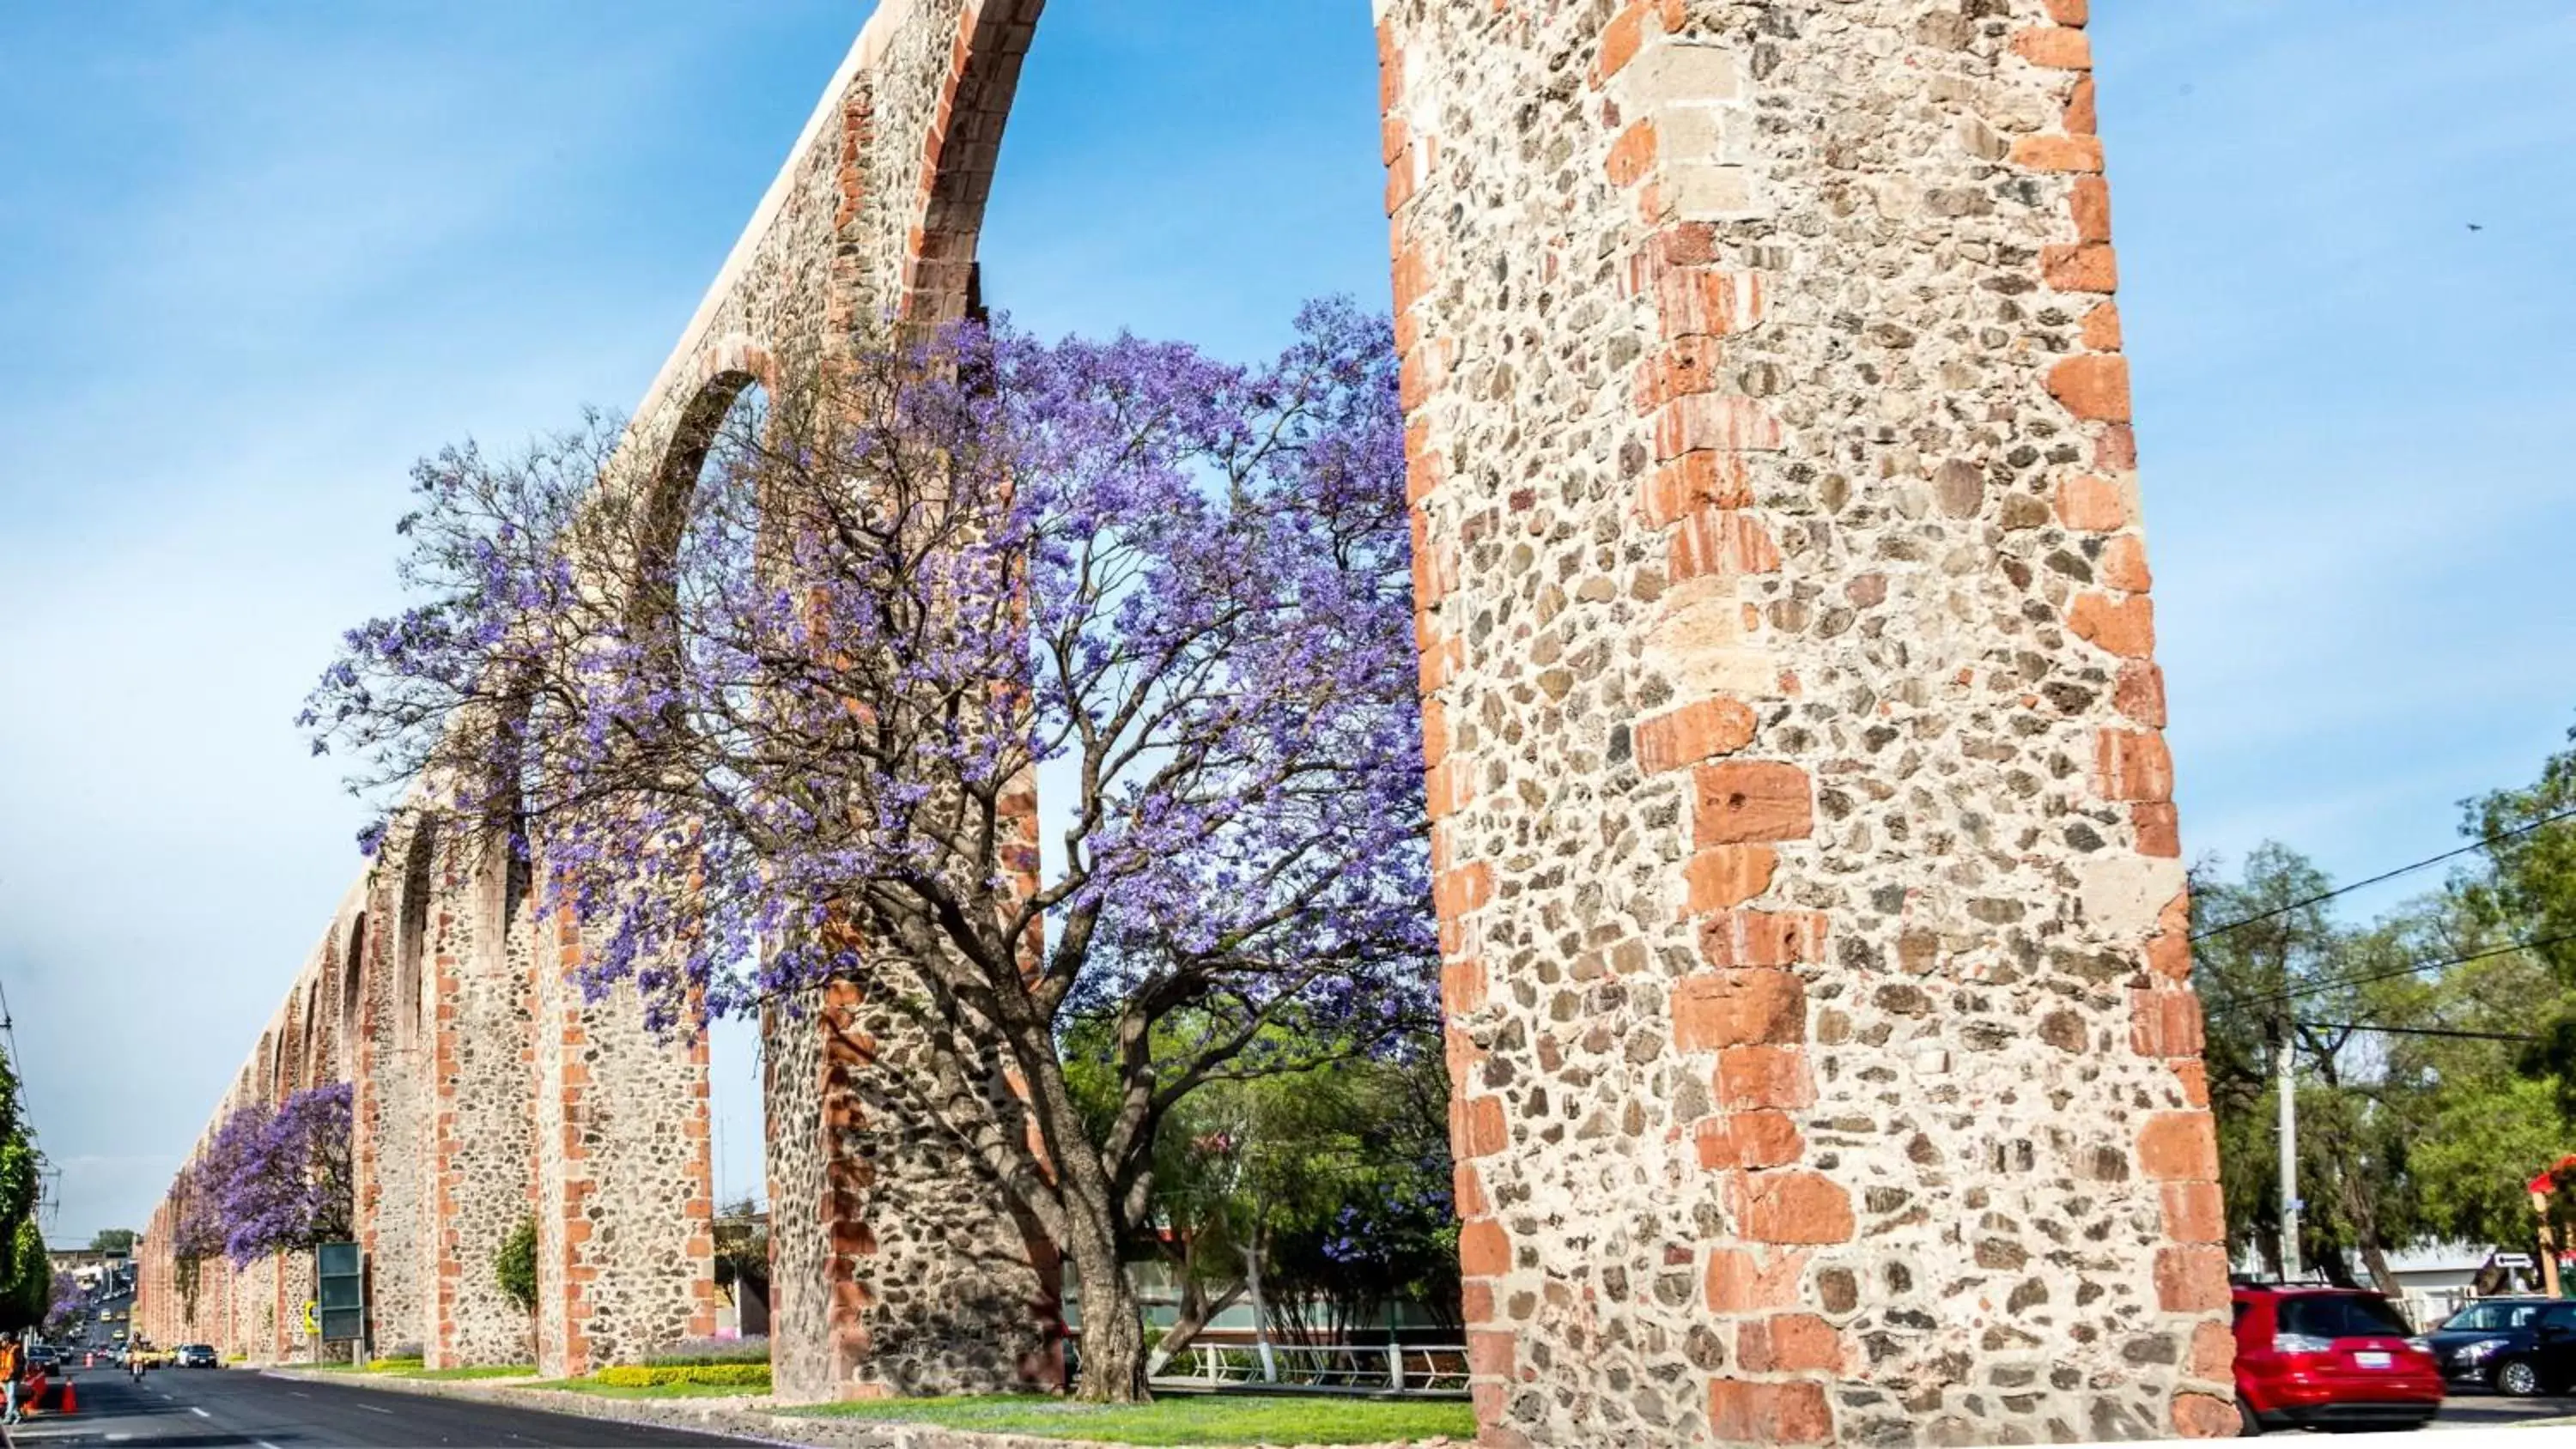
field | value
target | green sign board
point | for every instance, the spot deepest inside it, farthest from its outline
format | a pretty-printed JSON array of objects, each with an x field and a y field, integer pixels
[{"x": 340, "y": 1291}]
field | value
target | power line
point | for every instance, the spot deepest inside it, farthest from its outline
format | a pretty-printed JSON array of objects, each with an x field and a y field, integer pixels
[
  {"x": 2501, "y": 835},
  {"x": 2411, "y": 969},
  {"x": 2415, "y": 1030}
]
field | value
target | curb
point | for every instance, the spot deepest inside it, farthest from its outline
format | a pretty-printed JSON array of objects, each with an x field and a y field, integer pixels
[{"x": 753, "y": 1422}]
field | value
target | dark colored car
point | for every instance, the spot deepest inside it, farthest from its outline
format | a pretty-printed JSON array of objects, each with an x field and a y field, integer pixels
[
  {"x": 197, "y": 1355},
  {"x": 2517, "y": 1346},
  {"x": 2330, "y": 1358}
]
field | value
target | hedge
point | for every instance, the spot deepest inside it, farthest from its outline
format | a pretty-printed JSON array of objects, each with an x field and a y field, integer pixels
[{"x": 645, "y": 1376}]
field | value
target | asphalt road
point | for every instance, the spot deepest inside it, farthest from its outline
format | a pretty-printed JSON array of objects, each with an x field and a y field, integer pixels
[
  {"x": 2478, "y": 1409},
  {"x": 204, "y": 1408}
]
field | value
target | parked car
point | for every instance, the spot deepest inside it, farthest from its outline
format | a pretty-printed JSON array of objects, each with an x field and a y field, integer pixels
[
  {"x": 2330, "y": 1358},
  {"x": 198, "y": 1355},
  {"x": 2517, "y": 1346}
]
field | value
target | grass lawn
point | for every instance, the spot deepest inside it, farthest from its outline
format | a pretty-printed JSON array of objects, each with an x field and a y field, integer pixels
[
  {"x": 653, "y": 1391},
  {"x": 1181, "y": 1418},
  {"x": 474, "y": 1371}
]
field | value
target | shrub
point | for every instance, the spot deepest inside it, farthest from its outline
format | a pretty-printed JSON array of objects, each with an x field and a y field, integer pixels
[
  {"x": 645, "y": 1376},
  {"x": 393, "y": 1361},
  {"x": 687, "y": 1351},
  {"x": 515, "y": 1265}
]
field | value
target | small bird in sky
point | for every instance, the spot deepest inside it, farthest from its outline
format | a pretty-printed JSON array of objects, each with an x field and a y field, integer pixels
[{"x": 2473, "y": 226}]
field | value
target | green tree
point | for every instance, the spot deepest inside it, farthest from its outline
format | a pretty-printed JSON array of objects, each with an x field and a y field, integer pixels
[
  {"x": 2529, "y": 894},
  {"x": 113, "y": 1240},
  {"x": 1322, "y": 1194},
  {"x": 2277, "y": 974},
  {"x": 514, "y": 1266}
]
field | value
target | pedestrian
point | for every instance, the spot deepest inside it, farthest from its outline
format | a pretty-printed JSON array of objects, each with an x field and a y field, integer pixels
[{"x": 10, "y": 1354}]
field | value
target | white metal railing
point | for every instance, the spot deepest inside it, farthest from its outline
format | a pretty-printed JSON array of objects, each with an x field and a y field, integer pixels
[
  {"x": 2425, "y": 1307},
  {"x": 1417, "y": 1369}
]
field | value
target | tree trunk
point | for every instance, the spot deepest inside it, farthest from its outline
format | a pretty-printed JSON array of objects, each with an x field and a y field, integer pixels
[
  {"x": 1197, "y": 1308},
  {"x": 1112, "y": 1369}
]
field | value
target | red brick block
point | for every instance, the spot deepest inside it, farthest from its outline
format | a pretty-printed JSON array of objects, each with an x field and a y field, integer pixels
[
  {"x": 2057, "y": 47},
  {"x": 1755, "y": 1077},
  {"x": 2179, "y": 1147},
  {"x": 2092, "y": 206},
  {"x": 2159, "y": 829},
  {"x": 1745, "y": 1280},
  {"x": 1726, "y": 876},
  {"x": 2124, "y": 564},
  {"x": 1693, "y": 733},
  {"x": 2205, "y": 1416},
  {"x": 1723, "y": 541},
  {"x": 1763, "y": 938},
  {"x": 2126, "y": 626},
  {"x": 2101, "y": 331},
  {"x": 2164, "y": 1023},
  {"x": 1797, "y": 1207},
  {"x": 1761, "y": 1413},
  {"x": 2058, "y": 153},
  {"x": 1748, "y": 1140},
  {"x": 1482, "y": 1129},
  {"x": 2068, "y": 12},
  {"x": 1490, "y": 1352},
  {"x": 2191, "y": 1278},
  {"x": 1703, "y": 479},
  {"x": 1751, "y": 801},
  {"x": 2088, "y": 267},
  {"x": 2092, "y": 505},
  {"x": 2082, "y": 116},
  {"x": 1632, "y": 155},
  {"x": 2213, "y": 1352},
  {"x": 2195, "y": 1212},
  {"x": 2140, "y": 693},
  {"x": 2133, "y": 765},
  {"x": 1788, "y": 1343},
  {"x": 1484, "y": 1249},
  {"x": 2093, "y": 386},
  {"x": 1713, "y": 1010}
]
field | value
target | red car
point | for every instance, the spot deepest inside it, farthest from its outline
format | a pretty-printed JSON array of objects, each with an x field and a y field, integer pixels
[{"x": 2330, "y": 1358}]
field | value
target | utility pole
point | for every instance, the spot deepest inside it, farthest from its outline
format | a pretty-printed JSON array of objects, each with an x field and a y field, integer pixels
[{"x": 2286, "y": 1084}]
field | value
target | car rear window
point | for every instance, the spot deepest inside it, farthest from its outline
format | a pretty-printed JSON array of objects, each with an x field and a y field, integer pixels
[{"x": 2342, "y": 1315}]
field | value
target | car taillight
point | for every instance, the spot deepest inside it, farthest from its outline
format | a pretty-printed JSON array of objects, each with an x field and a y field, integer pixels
[{"x": 2300, "y": 1343}]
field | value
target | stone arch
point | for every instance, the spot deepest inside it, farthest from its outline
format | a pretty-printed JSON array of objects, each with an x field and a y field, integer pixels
[
  {"x": 416, "y": 893},
  {"x": 310, "y": 1067},
  {"x": 348, "y": 966},
  {"x": 965, "y": 143}
]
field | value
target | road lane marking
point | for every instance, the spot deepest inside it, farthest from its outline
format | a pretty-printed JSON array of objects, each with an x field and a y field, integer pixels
[
  {"x": 299, "y": 1395},
  {"x": 263, "y": 1444},
  {"x": 372, "y": 1409},
  {"x": 200, "y": 1413}
]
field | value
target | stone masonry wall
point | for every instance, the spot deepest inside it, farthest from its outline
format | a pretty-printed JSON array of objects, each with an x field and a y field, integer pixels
[
  {"x": 623, "y": 1178},
  {"x": 396, "y": 1192},
  {"x": 897, "y": 1266},
  {"x": 1810, "y": 893},
  {"x": 483, "y": 1127}
]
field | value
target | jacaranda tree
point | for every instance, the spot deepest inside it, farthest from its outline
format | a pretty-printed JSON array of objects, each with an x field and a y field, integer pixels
[
  {"x": 283, "y": 1177},
  {"x": 774, "y": 718}
]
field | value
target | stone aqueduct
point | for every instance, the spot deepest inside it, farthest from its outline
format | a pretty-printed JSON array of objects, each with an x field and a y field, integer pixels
[{"x": 1826, "y": 1066}]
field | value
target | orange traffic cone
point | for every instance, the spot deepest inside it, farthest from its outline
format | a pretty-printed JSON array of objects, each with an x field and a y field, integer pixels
[{"x": 71, "y": 1398}]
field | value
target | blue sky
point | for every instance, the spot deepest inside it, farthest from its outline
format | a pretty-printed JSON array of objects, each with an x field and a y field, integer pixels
[{"x": 256, "y": 258}]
